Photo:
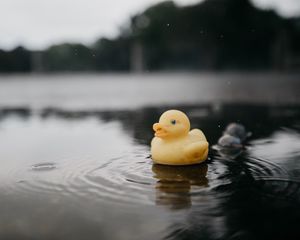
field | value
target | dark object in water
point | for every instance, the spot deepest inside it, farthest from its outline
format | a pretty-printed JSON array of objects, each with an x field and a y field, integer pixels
[
  {"x": 231, "y": 144},
  {"x": 236, "y": 130},
  {"x": 229, "y": 141}
]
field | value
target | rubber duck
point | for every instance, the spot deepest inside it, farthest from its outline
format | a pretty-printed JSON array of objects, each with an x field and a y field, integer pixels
[
  {"x": 237, "y": 130},
  {"x": 232, "y": 143},
  {"x": 234, "y": 136},
  {"x": 174, "y": 143}
]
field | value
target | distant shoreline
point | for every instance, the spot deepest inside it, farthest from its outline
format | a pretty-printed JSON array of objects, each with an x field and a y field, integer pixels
[
  {"x": 131, "y": 91},
  {"x": 152, "y": 73}
]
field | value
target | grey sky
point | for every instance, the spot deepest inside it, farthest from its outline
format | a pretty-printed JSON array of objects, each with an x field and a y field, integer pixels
[{"x": 37, "y": 24}]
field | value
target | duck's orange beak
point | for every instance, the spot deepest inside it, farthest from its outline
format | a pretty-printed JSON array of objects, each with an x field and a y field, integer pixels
[{"x": 159, "y": 130}]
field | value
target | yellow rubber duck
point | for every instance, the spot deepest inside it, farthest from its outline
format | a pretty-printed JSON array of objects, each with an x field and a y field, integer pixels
[{"x": 174, "y": 143}]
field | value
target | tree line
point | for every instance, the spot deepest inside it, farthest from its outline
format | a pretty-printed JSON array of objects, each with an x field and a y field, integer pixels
[{"x": 211, "y": 35}]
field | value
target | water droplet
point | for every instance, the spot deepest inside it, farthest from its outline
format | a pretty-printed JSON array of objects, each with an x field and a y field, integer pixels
[
  {"x": 21, "y": 181},
  {"x": 43, "y": 166}
]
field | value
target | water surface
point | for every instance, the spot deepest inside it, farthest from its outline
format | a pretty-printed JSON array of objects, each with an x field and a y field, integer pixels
[{"x": 86, "y": 173}]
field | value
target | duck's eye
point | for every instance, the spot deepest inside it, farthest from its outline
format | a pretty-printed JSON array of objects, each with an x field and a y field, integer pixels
[{"x": 173, "y": 122}]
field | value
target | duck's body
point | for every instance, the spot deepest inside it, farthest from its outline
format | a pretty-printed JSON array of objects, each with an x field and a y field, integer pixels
[
  {"x": 174, "y": 144},
  {"x": 189, "y": 149}
]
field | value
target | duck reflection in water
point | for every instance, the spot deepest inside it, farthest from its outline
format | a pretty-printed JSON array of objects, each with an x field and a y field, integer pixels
[{"x": 173, "y": 186}]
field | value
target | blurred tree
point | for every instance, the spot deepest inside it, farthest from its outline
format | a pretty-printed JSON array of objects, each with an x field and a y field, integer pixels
[
  {"x": 213, "y": 35},
  {"x": 17, "y": 60},
  {"x": 69, "y": 57},
  {"x": 112, "y": 55}
]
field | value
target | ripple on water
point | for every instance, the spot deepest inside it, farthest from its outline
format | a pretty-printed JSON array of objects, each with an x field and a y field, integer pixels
[
  {"x": 264, "y": 168},
  {"x": 120, "y": 179},
  {"x": 127, "y": 179},
  {"x": 44, "y": 166},
  {"x": 132, "y": 179},
  {"x": 266, "y": 177}
]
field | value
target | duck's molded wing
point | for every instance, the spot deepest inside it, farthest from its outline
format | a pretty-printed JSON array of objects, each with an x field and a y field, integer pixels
[
  {"x": 196, "y": 151},
  {"x": 198, "y": 133}
]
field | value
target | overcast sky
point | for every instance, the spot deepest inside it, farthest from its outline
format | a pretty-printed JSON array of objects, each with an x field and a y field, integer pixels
[{"x": 37, "y": 24}]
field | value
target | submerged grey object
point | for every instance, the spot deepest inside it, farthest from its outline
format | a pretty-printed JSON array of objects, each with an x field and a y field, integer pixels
[
  {"x": 230, "y": 141},
  {"x": 234, "y": 136},
  {"x": 236, "y": 130}
]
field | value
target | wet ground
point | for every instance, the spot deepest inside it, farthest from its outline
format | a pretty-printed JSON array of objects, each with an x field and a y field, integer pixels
[{"x": 71, "y": 172}]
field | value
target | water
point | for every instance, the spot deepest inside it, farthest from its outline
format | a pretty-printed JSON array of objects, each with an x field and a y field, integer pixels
[{"x": 83, "y": 171}]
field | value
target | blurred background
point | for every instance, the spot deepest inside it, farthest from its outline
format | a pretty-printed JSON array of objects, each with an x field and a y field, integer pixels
[
  {"x": 83, "y": 81},
  {"x": 149, "y": 35}
]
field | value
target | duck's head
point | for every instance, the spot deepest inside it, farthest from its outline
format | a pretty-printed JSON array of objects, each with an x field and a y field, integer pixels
[{"x": 172, "y": 124}]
